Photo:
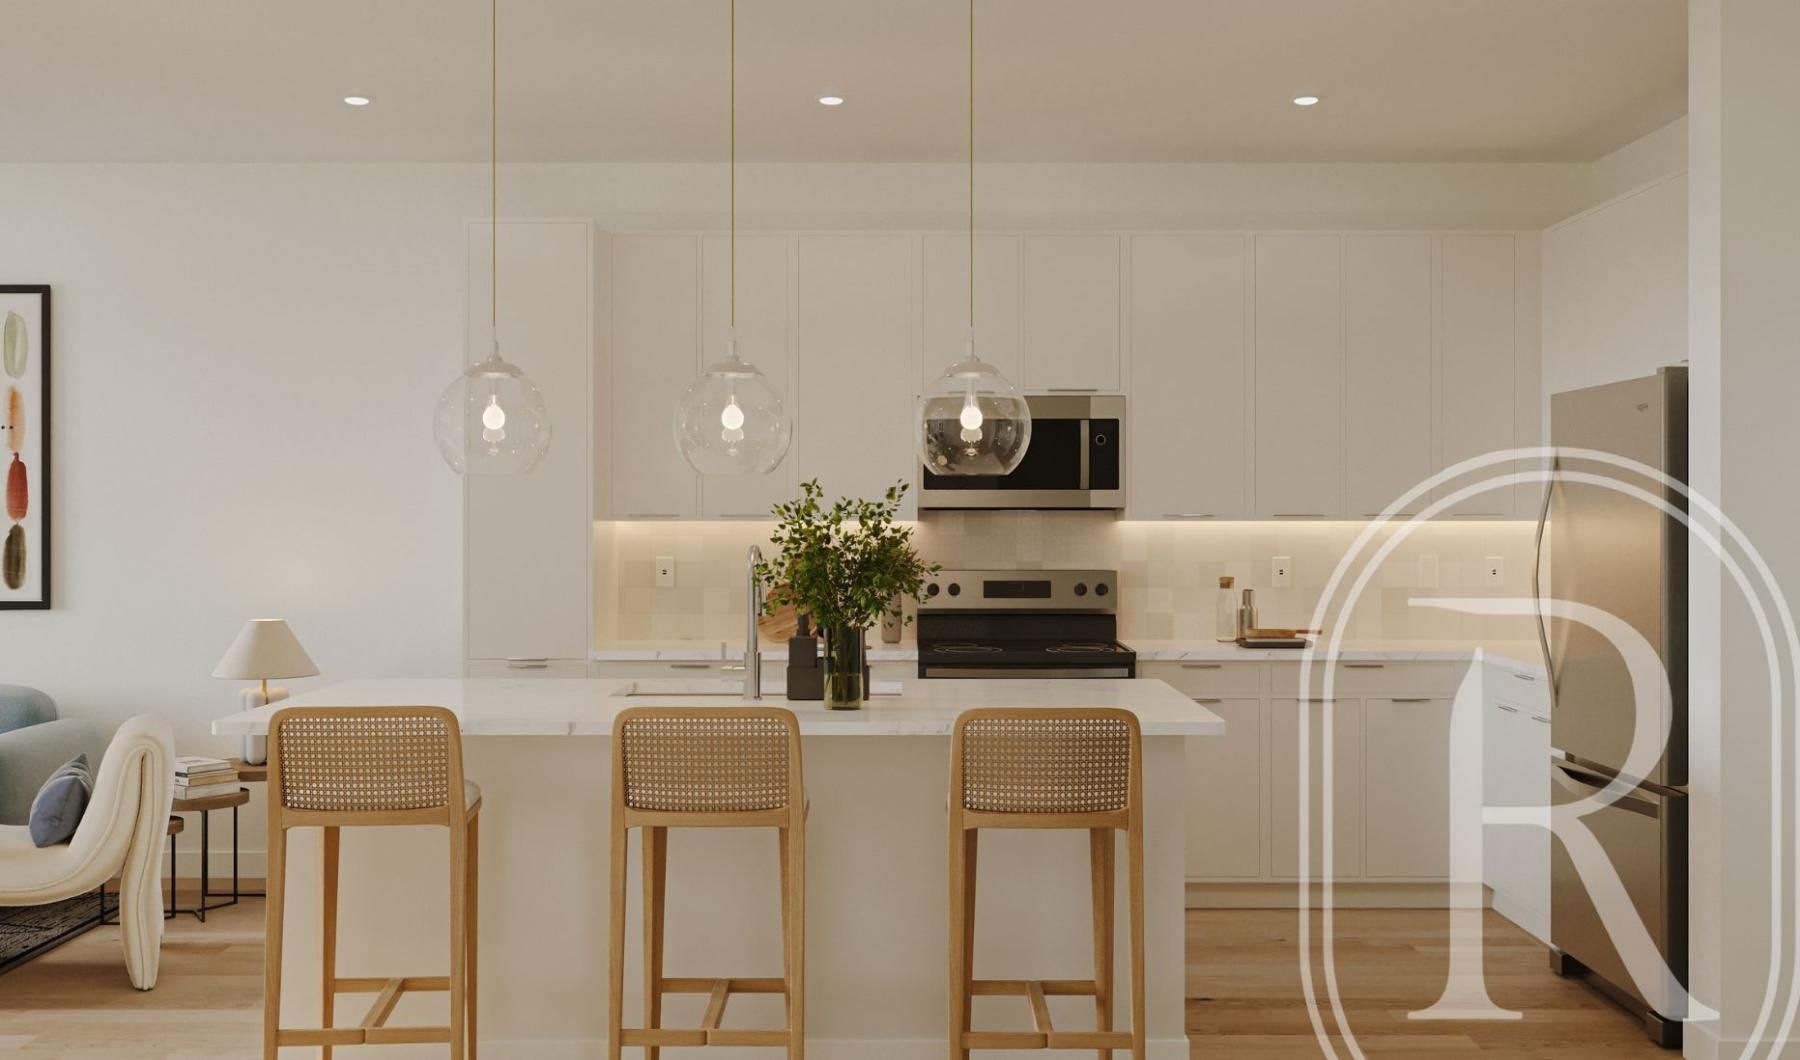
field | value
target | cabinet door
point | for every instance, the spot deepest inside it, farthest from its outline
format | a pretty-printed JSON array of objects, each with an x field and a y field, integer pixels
[
  {"x": 1515, "y": 859},
  {"x": 945, "y": 303},
  {"x": 655, "y": 355},
  {"x": 528, "y": 540},
  {"x": 855, "y": 431},
  {"x": 1299, "y": 376},
  {"x": 1285, "y": 718},
  {"x": 1478, "y": 398},
  {"x": 1387, "y": 370},
  {"x": 1225, "y": 794},
  {"x": 763, "y": 339},
  {"x": 1188, "y": 378},
  {"x": 1071, "y": 312},
  {"x": 1407, "y": 813}
]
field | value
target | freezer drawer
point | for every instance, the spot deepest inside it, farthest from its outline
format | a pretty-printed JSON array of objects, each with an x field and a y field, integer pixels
[{"x": 1644, "y": 837}]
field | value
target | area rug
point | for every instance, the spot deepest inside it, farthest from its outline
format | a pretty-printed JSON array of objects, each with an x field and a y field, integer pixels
[{"x": 31, "y": 930}]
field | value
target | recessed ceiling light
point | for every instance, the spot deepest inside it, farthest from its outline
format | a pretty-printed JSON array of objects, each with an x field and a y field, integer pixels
[
  {"x": 357, "y": 101},
  {"x": 832, "y": 101},
  {"x": 1306, "y": 101}
]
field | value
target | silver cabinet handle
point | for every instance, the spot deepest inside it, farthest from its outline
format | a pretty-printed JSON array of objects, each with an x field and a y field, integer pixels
[
  {"x": 733, "y": 667},
  {"x": 651, "y": 515},
  {"x": 1509, "y": 710},
  {"x": 1202, "y": 666},
  {"x": 1073, "y": 389},
  {"x": 1365, "y": 666},
  {"x": 528, "y": 664},
  {"x": 1540, "y": 719},
  {"x": 1298, "y": 515},
  {"x": 1187, "y": 515},
  {"x": 1476, "y": 515},
  {"x": 1315, "y": 699},
  {"x": 1412, "y": 699},
  {"x": 690, "y": 666},
  {"x": 1525, "y": 677},
  {"x": 1207, "y": 701}
]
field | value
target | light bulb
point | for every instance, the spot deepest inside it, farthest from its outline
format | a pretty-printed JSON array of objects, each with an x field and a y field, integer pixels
[
  {"x": 971, "y": 419},
  {"x": 493, "y": 417},
  {"x": 731, "y": 417}
]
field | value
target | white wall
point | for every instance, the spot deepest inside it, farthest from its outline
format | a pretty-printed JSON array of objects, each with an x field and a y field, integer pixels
[{"x": 1649, "y": 158}]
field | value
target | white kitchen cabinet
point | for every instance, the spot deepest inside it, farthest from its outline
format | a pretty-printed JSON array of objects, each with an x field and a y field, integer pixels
[
  {"x": 655, "y": 354},
  {"x": 1516, "y": 772},
  {"x": 1387, "y": 370},
  {"x": 1299, "y": 366},
  {"x": 764, "y": 338},
  {"x": 1225, "y": 790},
  {"x": 944, "y": 297},
  {"x": 854, "y": 431},
  {"x": 1189, "y": 378},
  {"x": 1478, "y": 361},
  {"x": 1071, "y": 316},
  {"x": 1285, "y": 764},
  {"x": 528, "y": 539},
  {"x": 1406, "y": 812}
]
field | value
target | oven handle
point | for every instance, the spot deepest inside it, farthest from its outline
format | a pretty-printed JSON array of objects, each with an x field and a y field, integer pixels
[
  {"x": 1086, "y": 440},
  {"x": 1026, "y": 673}
]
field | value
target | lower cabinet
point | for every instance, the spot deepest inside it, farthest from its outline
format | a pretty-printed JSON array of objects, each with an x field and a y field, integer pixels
[
  {"x": 1286, "y": 765},
  {"x": 1225, "y": 775},
  {"x": 1406, "y": 743},
  {"x": 1515, "y": 859}
]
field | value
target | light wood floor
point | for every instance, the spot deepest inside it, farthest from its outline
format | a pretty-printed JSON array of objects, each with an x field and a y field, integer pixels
[{"x": 1244, "y": 994}]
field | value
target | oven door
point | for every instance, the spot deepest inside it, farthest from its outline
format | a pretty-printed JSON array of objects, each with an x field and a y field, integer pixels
[
  {"x": 1076, "y": 460},
  {"x": 1023, "y": 673}
]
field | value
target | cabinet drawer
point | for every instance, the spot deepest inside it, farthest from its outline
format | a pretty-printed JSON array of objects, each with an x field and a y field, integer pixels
[
  {"x": 1371, "y": 678},
  {"x": 1208, "y": 678},
  {"x": 526, "y": 668},
  {"x": 677, "y": 668},
  {"x": 1528, "y": 691}
]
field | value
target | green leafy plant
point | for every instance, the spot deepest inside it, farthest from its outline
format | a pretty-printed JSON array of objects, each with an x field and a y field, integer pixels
[{"x": 845, "y": 565}]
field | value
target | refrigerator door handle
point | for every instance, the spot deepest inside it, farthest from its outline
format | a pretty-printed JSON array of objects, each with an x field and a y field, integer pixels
[
  {"x": 1537, "y": 594},
  {"x": 1580, "y": 782}
]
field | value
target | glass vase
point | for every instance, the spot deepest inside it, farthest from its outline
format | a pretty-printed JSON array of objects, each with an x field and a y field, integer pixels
[{"x": 846, "y": 668}]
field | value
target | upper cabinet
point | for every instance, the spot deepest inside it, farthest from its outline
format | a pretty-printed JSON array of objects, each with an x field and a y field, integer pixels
[
  {"x": 944, "y": 294},
  {"x": 1387, "y": 371},
  {"x": 1299, "y": 376},
  {"x": 764, "y": 338},
  {"x": 1479, "y": 363},
  {"x": 1072, "y": 301},
  {"x": 1189, "y": 378},
  {"x": 528, "y": 539},
  {"x": 856, "y": 364},
  {"x": 655, "y": 346}
]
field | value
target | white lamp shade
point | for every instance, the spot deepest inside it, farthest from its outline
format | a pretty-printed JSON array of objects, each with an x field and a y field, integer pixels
[{"x": 265, "y": 650}]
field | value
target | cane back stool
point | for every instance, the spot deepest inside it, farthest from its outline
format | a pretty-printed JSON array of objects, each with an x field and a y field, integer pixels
[
  {"x": 357, "y": 767},
  {"x": 1048, "y": 768},
  {"x": 706, "y": 768}
]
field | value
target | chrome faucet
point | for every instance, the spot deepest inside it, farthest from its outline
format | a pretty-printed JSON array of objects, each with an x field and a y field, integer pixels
[{"x": 752, "y": 642}]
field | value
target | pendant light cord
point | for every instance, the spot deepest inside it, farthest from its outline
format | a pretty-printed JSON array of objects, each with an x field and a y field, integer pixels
[
  {"x": 971, "y": 171},
  {"x": 731, "y": 166},
  {"x": 494, "y": 169}
]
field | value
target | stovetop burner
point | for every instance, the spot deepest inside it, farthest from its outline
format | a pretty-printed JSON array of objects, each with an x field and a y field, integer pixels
[
  {"x": 966, "y": 649},
  {"x": 1082, "y": 649}
]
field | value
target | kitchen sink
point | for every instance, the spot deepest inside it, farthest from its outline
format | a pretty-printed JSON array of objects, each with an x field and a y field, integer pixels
[{"x": 726, "y": 687}]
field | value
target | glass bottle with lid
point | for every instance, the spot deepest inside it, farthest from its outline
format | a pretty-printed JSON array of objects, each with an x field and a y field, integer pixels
[{"x": 1225, "y": 612}]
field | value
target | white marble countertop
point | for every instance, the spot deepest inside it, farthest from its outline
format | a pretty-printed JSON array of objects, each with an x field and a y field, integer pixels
[
  {"x": 727, "y": 651},
  {"x": 500, "y": 706}
]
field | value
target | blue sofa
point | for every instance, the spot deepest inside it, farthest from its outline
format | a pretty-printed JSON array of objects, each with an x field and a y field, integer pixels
[{"x": 33, "y": 743}]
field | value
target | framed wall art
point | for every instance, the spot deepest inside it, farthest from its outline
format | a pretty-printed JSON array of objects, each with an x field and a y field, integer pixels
[{"x": 25, "y": 446}]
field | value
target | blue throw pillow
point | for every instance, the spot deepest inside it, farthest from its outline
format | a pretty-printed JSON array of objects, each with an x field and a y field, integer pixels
[{"x": 57, "y": 810}]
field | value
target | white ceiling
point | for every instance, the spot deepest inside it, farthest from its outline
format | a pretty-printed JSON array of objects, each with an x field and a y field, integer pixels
[{"x": 638, "y": 80}]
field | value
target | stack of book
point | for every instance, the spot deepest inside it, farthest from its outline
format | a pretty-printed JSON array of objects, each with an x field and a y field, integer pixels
[{"x": 197, "y": 778}]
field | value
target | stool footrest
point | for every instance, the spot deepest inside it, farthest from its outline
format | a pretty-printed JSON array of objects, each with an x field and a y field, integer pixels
[
  {"x": 1052, "y": 1040},
  {"x": 735, "y": 986},
  {"x": 709, "y": 1032},
  {"x": 1022, "y": 987},
  {"x": 1045, "y": 1035}
]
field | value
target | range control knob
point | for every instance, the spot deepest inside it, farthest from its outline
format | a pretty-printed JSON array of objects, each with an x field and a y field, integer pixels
[
  {"x": 955, "y": 589},
  {"x": 1102, "y": 589},
  {"x": 1081, "y": 588},
  {"x": 933, "y": 589}
]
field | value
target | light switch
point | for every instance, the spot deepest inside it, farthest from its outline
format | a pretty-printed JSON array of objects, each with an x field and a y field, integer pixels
[
  {"x": 665, "y": 572},
  {"x": 1493, "y": 572},
  {"x": 1281, "y": 571}
]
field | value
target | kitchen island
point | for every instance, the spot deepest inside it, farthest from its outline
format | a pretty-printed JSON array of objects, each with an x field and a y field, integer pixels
[{"x": 876, "y": 871}]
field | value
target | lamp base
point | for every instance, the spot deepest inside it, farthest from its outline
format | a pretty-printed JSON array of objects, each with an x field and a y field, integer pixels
[{"x": 256, "y": 748}]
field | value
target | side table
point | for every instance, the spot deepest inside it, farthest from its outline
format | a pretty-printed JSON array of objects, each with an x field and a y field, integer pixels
[{"x": 204, "y": 805}]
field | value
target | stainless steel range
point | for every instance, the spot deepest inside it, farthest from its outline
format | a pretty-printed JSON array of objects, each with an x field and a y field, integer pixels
[{"x": 1014, "y": 623}]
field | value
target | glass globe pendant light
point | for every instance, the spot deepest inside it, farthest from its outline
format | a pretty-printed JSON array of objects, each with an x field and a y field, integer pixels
[
  {"x": 491, "y": 419},
  {"x": 973, "y": 420},
  {"x": 730, "y": 421}
]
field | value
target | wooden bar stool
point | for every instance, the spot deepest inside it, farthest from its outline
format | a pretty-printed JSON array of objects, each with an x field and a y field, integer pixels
[
  {"x": 720, "y": 768},
  {"x": 1055, "y": 768},
  {"x": 352, "y": 767}
]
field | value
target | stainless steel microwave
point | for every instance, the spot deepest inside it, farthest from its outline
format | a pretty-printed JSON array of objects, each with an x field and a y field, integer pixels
[{"x": 1076, "y": 460}]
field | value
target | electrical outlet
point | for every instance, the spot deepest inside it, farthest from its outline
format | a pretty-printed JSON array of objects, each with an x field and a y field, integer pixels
[
  {"x": 1281, "y": 571},
  {"x": 665, "y": 572},
  {"x": 1428, "y": 571},
  {"x": 1493, "y": 572}
]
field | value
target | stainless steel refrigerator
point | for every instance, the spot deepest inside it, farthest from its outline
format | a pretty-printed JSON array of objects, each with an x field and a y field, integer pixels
[{"x": 1626, "y": 557}]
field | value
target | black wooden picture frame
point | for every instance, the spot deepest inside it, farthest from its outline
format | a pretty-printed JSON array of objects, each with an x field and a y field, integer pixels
[{"x": 25, "y": 375}]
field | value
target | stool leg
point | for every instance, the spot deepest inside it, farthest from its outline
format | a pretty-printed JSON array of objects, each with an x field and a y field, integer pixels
[
  {"x": 787, "y": 942},
  {"x": 615, "y": 986},
  {"x": 272, "y": 934},
  {"x": 1100, "y": 858},
  {"x": 328, "y": 954},
  {"x": 1134, "y": 851},
  {"x": 472, "y": 882},
  {"x": 964, "y": 848},
  {"x": 794, "y": 867},
  {"x": 459, "y": 941},
  {"x": 656, "y": 864}
]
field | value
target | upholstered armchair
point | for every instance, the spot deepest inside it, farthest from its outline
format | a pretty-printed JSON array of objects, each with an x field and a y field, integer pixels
[{"x": 121, "y": 834}]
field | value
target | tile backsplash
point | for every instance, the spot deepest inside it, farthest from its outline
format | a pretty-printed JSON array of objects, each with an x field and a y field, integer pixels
[{"x": 1168, "y": 572}]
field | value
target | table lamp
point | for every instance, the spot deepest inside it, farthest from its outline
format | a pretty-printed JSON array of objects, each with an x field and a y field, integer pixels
[{"x": 266, "y": 649}]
